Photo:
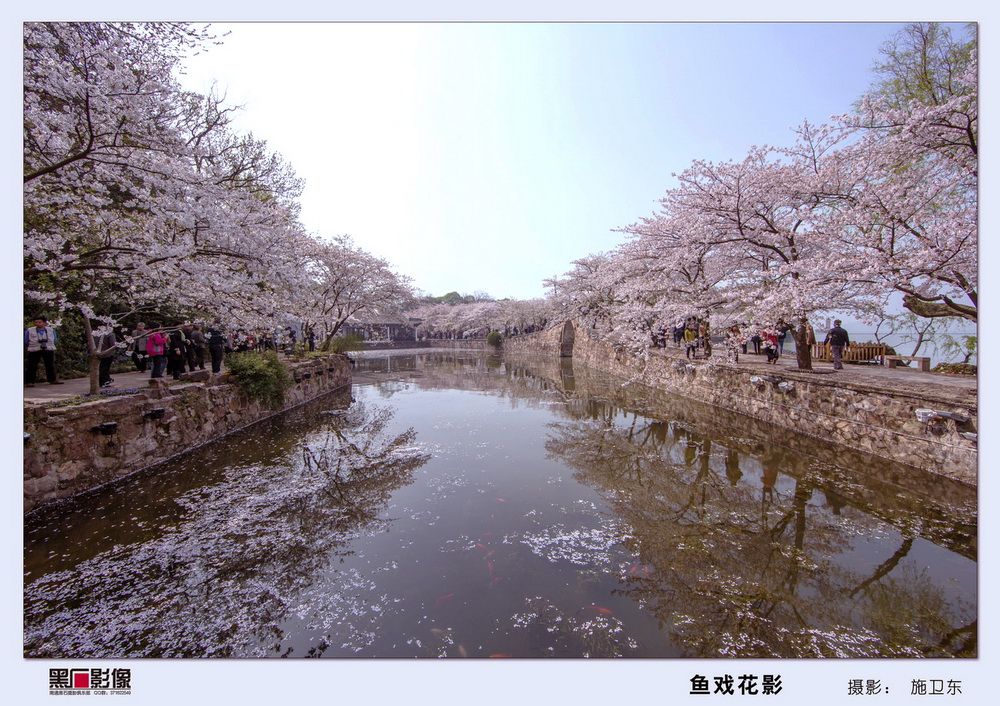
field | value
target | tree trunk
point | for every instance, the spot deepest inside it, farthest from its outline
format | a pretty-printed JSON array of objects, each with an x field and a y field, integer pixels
[
  {"x": 93, "y": 359},
  {"x": 803, "y": 347}
]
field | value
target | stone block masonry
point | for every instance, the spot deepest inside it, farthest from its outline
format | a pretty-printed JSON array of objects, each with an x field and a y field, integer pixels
[
  {"x": 882, "y": 420},
  {"x": 65, "y": 453}
]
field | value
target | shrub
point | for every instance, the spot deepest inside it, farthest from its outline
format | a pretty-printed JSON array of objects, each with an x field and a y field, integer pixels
[
  {"x": 342, "y": 344},
  {"x": 955, "y": 368},
  {"x": 493, "y": 338},
  {"x": 261, "y": 375}
]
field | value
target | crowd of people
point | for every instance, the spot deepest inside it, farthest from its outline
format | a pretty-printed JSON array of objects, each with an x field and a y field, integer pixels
[
  {"x": 694, "y": 335},
  {"x": 166, "y": 351},
  {"x": 170, "y": 351}
]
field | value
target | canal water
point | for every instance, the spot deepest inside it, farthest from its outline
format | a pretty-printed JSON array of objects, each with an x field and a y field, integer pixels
[{"x": 460, "y": 505}]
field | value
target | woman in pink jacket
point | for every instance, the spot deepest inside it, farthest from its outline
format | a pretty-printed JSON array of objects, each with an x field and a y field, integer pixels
[{"x": 156, "y": 349}]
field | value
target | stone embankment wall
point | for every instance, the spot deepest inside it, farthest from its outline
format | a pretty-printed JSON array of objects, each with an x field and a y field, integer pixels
[
  {"x": 66, "y": 454},
  {"x": 873, "y": 419}
]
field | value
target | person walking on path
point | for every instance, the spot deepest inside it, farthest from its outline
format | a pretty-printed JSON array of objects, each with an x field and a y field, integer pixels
[
  {"x": 199, "y": 341},
  {"x": 139, "y": 355},
  {"x": 691, "y": 339},
  {"x": 733, "y": 341},
  {"x": 770, "y": 339},
  {"x": 839, "y": 341},
  {"x": 106, "y": 346},
  {"x": 783, "y": 328},
  {"x": 176, "y": 353},
  {"x": 40, "y": 344},
  {"x": 218, "y": 342},
  {"x": 156, "y": 349}
]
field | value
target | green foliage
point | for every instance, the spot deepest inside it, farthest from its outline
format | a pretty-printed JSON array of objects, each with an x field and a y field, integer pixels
[
  {"x": 955, "y": 369},
  {"x": 342, "y": 344},
  {"x": 493, "y": 338},
  {"x": 966, "y": 346},
  {"x": 261, "y": 375},
  {"x": 920, "y": 63}
]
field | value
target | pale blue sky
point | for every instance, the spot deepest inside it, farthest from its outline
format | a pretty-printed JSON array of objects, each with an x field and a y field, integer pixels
[{"x": 489, "y": 156}]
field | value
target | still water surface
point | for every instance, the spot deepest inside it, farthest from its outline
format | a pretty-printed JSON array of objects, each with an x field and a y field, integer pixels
[{"x": 468, "y": 506}]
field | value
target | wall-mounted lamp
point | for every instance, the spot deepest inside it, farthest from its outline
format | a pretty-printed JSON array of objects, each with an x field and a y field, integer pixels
[
  {"x": 961, "y": 417},
  {"x": 786, "y": 386}
]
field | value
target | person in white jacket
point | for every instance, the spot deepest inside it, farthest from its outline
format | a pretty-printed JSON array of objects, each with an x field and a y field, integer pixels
[{"x": 40, "y": 344}]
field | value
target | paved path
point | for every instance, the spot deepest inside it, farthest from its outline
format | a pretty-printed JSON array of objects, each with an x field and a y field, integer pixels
[
  {"x": 899, "y": 379},
  {"x": 44, "y": 392}
]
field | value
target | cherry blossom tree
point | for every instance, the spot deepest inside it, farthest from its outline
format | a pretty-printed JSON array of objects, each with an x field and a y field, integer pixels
[
  {"x": 135, "y": 191},
  {"x": 911, "y": 211},
  {"x": 880, "y": 201},
  {"x": 344, "y": 281}
]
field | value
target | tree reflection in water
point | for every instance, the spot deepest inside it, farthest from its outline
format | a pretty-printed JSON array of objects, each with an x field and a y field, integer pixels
[
  {"x": 242, "y": 556},
  {"x": 564, "y": 514},
  {"x": 736, "y": 567}
]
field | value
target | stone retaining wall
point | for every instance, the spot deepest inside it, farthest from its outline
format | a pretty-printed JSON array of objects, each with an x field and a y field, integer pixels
[
  {"x": 871, "y": 419},
  {"x": 65, "y": 455}
]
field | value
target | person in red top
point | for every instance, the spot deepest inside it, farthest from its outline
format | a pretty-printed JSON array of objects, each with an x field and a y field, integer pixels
[
  {"x": 770, "y": 337},
  {"x": 156, "y": 349}
]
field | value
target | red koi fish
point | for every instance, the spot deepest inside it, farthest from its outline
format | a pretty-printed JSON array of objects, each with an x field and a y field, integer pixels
[
  {"x": 501, "y": 500},
  {"x": 496, "y": 579},
  {"x": 440, "y": 601},
  {"x": 489, "y": 565},
  {"x": 496, "y": 656},
  {"x": 481, "y": 546},
  {"x": 486, "y": 534},
  {"x": 491, "y": 552},
  {"x": 599, "y": 609}
]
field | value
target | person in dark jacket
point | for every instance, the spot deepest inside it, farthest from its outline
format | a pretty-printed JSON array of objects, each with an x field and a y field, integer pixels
[
  {"x": 839, "y": 341},
  {"x": 217, "y": 342},
  {"x": 176, "y": 353}
]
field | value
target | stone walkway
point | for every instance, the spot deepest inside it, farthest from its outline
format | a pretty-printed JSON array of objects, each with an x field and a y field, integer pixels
[
  {"x": 899, "y": 379},
  {"x": 44, "y": 392}
]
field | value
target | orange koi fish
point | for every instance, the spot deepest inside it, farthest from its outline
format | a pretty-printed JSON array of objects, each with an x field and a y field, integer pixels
[
  {"x": 481, "y": 546},
  {"x": 599, "y": 609},
  {"x": 440, "y": 601},
  {"x": 501, "y": 500},
  {"x": 499, "y": 655},
  {"x": 489, "y": 565}
]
